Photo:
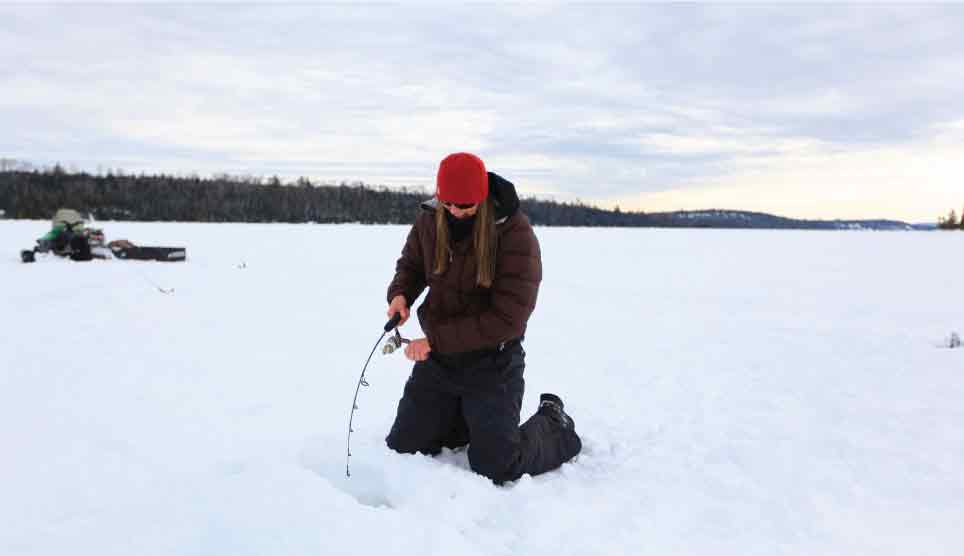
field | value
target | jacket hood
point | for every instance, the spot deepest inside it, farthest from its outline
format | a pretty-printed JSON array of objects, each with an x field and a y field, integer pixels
[{"x": 501, "y": 191}]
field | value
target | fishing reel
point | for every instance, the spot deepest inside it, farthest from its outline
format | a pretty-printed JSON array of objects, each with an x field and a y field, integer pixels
[{"x": 393, "y": 343}]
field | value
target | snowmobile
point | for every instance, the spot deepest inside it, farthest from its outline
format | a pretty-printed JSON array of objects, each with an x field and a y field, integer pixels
[{"x": 70, "y": 237}]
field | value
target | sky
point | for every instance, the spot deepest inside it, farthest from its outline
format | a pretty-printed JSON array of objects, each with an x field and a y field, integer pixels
[{"x": 810, "y": 111}]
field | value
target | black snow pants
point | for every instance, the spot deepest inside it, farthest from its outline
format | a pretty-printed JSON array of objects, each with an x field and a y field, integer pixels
[{"x": 476, "y": 399}]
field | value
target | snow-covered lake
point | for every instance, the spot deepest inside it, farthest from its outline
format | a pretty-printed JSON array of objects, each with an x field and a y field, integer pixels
[{"x": 737, "y": 392}]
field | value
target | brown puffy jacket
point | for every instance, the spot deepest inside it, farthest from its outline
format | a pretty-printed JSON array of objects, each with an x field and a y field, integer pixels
[{"x": 458, "y": 315}]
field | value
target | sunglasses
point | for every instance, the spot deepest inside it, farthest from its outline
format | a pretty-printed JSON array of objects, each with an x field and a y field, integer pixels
[{"x": 460, "y": 206}]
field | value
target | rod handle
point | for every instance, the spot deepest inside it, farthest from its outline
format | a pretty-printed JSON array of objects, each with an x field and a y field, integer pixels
[{"x": 393, "y": 322}]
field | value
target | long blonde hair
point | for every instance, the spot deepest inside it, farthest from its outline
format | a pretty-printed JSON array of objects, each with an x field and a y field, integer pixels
[{"x": 484, "y": 239}]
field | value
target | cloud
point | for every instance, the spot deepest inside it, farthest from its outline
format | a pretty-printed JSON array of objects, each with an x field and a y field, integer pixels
[{"x": 643, "y": 104}]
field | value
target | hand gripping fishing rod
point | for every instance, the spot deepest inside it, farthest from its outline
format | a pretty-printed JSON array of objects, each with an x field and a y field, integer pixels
[{"x": 394, "y": 343}]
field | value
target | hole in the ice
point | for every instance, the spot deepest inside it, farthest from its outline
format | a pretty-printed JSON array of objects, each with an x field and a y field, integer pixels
[{"x": 366, "y": 485}]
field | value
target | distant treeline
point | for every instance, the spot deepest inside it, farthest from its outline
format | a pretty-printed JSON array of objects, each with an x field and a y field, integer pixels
[
  {"x": 951, "y": 222},
  {"x": 38, "y": 194},
  {"x": 28, "y": 193}
]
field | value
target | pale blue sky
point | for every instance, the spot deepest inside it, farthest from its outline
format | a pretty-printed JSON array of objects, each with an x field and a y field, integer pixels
[{"x": 815, "y": 111}]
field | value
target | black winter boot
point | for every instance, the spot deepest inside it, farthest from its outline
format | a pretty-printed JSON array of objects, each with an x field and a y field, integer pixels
[{"x": 551, "y": 406}]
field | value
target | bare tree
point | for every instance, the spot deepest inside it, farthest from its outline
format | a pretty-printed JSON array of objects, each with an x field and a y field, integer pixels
[{"x": 8, "y": 164}]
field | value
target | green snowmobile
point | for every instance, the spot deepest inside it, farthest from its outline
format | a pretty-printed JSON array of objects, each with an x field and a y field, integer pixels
[{"x": 70, "y": 237}]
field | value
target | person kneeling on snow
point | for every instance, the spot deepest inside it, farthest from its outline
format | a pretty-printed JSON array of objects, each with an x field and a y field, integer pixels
[{"x": 478, "y": 256}]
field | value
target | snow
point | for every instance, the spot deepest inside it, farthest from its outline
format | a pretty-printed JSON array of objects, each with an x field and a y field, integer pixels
[{"x": 737, "y": 392}]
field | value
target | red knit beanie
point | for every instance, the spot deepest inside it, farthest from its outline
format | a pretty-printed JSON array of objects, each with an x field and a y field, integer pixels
[{"x": 462, "y": 179}]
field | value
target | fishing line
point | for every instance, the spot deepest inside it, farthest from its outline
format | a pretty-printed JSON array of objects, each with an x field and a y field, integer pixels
[{"x": 150, "y": 281}]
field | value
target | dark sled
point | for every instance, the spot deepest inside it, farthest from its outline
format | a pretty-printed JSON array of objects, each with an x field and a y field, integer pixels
[{"x": 137, "y": 253}]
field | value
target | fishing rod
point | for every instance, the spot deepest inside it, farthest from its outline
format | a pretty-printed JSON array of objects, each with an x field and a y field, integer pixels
[{"x": 394, "y": 342}]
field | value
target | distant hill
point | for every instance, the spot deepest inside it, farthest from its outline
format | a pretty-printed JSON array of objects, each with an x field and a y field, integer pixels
[
  {"x": 38, "y": 194},
  {"x": 717, "y": 218}
]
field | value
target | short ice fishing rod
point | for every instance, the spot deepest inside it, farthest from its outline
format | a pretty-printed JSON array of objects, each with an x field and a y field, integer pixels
[{"x": 394, "y": 342}]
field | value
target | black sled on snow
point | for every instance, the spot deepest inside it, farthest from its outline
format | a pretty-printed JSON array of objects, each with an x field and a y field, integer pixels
[{"x": 123, "y": 249}]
